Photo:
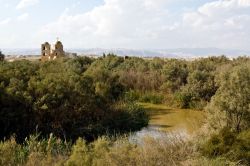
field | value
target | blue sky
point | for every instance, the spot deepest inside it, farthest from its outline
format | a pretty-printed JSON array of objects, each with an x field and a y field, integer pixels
[{"x": 138, "y": 24}]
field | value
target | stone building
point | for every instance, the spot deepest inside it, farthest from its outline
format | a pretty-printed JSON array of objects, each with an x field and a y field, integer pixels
[{"x": 49, "y": 52}]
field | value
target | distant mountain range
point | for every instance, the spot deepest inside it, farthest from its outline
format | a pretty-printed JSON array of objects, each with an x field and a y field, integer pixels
[{"x": 168, "y": 53}]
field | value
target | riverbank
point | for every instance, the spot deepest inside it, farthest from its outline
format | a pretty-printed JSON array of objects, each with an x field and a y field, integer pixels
[{"x": 159, "y": 145}]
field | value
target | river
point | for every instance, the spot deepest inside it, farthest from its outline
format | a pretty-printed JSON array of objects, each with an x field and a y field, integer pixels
[{"x": 169, "y": 122}]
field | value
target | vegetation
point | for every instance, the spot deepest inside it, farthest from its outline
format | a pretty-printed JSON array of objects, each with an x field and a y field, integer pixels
[
  {"x": 57, "y": 97},
  {"x": 229, "y": 115},
  {"x": 1, "y": 56},
  {"x": 230, "y": 145},
  {"x": 103, "y": 151},
  {"x": 233, "y": 98},
  {"x": 88, "y": 102}
]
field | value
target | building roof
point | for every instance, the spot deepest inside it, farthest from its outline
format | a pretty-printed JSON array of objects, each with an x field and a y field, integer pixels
[
  {"x": 46, "y": 43},
  {"x": 58, "y": 43}
]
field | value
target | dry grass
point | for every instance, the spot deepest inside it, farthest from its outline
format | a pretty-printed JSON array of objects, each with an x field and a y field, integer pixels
[{"x": 106, "y": 152}]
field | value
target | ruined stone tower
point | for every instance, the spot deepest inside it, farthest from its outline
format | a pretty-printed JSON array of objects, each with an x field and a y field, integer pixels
[{"x": 51, "y": 53}]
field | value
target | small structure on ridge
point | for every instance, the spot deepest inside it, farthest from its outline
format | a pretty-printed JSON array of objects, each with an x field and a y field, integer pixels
[{"x": 49, "y": 52}]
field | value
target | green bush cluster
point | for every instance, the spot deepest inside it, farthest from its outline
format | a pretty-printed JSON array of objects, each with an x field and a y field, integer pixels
[
  {"x": 62, "y": 98},
  {"x": 147, "y": 97},
  {"x": 152, "y": 98},
  {"x": 229, "y": 144},
  {"x": 88, "y": 98},
  {"x": 191, "y": 84}
]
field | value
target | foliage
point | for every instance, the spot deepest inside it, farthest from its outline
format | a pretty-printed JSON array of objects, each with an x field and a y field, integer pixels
[
  {"x": 146, "y": 97},
  {"x": 9, "y": 152},
  {"x": 58, "y": 97},
  {"x": 34, "y": 151},
  {"x": 201, "y": 84},
  {"x": 102, "y": 152},
  {"x": 127, "y": 117},
  {"x": 88, "y": 98},
  {"x": 229, "y": 144},
  {"x": 152, "y": 98},
  {"x": 175, "y": 73},
  {"x": 184, "y": 98},
  {"x": 131, "y": 96},
  {"x": 233, "y": 98}
]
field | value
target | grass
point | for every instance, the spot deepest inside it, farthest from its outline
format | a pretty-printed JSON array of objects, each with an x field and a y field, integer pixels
[
  {"x": 116, "y": 151},
  {"x": 102, "y": 152}
]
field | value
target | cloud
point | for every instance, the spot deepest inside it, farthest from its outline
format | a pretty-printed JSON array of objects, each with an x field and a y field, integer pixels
[
  {"x": 23, "y": 17},
  {"x": 116, "y": 21},
  {"x": 5, "y": 21},
  {"x": 26, "y": 3},
  {"x": 7, "y": 5},
  {"x": 149, "y": 24},
  {"x": 222, "y": 23}
]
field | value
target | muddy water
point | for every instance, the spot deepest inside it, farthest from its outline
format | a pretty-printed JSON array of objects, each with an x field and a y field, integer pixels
[{"x": 165, "y": 121}]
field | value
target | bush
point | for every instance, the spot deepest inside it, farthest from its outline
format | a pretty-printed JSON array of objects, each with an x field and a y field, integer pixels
[
  {"x": 241, "y": 148},
  {"x": 151, "y": 98},
  {"x": 10, "y": 153},
  {"x": 33, "y": 151},
  {"x": 219, "y": 144},
  {"x": 80, "y": 154},
  {"x": 183, "y": 99},
  {"x": 131, "y": 96},
  {"x": 48, "y": 97},
  {"x": 127, "y": 117},
  {"x": 233, "y": 98},
  {"x": 230, "y": 145}
]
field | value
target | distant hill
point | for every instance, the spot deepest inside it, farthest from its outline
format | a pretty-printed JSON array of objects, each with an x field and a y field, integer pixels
[{"x": 170, "y": 53}]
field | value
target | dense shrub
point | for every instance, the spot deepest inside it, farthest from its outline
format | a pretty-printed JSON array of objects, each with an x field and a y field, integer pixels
[
  {"x": 87, "y": 98},
  {"x": 147, "y": 97},
  {"x": 9, "y": 152},
  {"x": 229, "y": 144},
  {"x": 231, "y": 104},
  {"x": 102, "y": 152},
  {"x": 220, "y": 143},
  {"x": 58, "y": 97},
  {"x": 175, "y": 74},
  {"x": 132, "y": 96},
  {"x": 127, "y": 117},
  {"x": 183, "y": 99},
  {"x": 151, "y": 98},
  {"x": 241, "y": 148}
]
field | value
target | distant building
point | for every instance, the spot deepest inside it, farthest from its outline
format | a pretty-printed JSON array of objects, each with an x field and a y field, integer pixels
[
  {"x": 51, "y": 53},
  {"x": 1, "y": 56}
]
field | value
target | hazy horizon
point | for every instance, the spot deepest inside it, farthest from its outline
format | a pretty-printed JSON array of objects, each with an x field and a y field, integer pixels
[{"x": 167, "y": 53}]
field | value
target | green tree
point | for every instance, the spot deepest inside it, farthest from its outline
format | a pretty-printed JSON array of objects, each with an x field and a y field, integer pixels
[
  {"x": 58, "y": 97},
  {"x": 175, "y": 73},
  {"x": 232, "y": 99},
  {"x": 201, "y": 84}
]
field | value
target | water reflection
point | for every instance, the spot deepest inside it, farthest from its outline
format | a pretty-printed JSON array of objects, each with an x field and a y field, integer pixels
[{"x": 169, "y": 123}]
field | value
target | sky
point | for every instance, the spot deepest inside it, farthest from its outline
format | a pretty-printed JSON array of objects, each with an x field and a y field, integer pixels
[{"x": 132, "y": 24}]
